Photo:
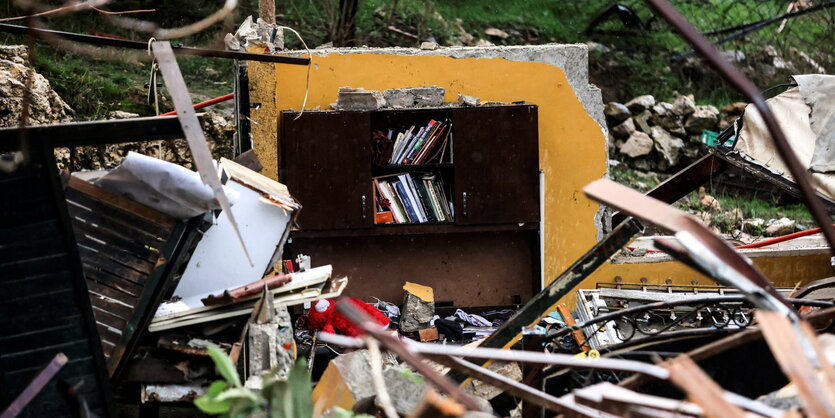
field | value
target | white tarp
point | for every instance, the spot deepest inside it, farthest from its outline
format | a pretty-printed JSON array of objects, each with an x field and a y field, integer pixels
[
  {"x": 793, "y": 114},
  {"x": 164, "y": 186}
]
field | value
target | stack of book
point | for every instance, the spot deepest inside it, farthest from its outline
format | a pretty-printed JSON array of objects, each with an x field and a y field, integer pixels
[
  {"x": 425, "y": 145},
  {"x": 413, "y": 198}
]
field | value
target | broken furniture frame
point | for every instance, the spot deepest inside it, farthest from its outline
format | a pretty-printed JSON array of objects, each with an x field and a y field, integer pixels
[
  {"x": 184, "y": 236},
  {"x": 132, "y": 256}
]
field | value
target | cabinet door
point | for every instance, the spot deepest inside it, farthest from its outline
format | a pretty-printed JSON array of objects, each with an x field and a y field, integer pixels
[
  {"x": 326, "y": 163},
  {"x": 496, "y": 160}
]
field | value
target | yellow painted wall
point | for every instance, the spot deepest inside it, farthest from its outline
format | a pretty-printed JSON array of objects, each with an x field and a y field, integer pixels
[
  {"x": 571, "y": 144},
  {"x": 784, "y": 271}
]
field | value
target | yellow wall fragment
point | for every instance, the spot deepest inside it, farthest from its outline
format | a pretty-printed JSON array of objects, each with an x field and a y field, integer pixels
[{"x": 424, "y": 293}]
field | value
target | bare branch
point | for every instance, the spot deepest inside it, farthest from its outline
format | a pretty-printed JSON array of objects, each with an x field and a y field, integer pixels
[
  {"x": 181, "y": 32},
  {"x": 74, "y": 8}
]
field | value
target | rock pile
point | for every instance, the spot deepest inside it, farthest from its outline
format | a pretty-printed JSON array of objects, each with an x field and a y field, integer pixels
[
  {"x": 658, "y": 136},
  {"x": 217, "y": 128},
  {"x": 45, "y": 105}
]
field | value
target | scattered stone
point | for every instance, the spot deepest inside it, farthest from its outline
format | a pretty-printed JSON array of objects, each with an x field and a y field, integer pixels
[
  {"x": 464, "y": 37},
  {"x": 779, "y": 227},
  {"x": 359, "y": 99},
  {"x": 644, "y": 164},
  {"x": 691, "y": 150},
  {"x": 753, "y": 226},
  {"x": 484, "y": 42},
  {"x": 638, "y": 252},
  {"x": 733, "y": 56},
  {"x": 642, "y": 121},
  {"x": 616, "y": 112},
  {"x": 668, "y": 146},
  {"x": 118, "y": 114},
  {"x": 45, "y": 105},
  {"x": 598, "y": 47},
  {"x": 705, "y": 117},
  {"x": 684, "y": 105},
  {"x": 625, "y": 129},
  {"x": 708, "y": 201},
  {"x": 664, "y": 116},
  {"x": 429, "y": 46},
  {"x": 431, "y": 96},
  {"x": 498, "y": 33},
  {"x": 416, "y": 313},
  {"x": 637, "y": 145},
  {"x": 482, "y": 390},
  {"x": 406, "y": 389},
  {"x": 641, "y": 103},
  {"x": 735, "y": 108},
  {"x": 464, "y": 100}
]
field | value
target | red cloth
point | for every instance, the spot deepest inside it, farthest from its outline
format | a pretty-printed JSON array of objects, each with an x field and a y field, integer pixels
[{"x": 327, "y": 318}]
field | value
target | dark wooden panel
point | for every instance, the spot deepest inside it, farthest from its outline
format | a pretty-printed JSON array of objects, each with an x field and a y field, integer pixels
[
  {"x": 44, "y": 309},
  {"x": 476, "y": 269},
  {"x": 326, "y": 159},
  {"x": 34, "y": 285},
  {"x": 31, "y": 231},
  {"x": 496, "y": 159}
]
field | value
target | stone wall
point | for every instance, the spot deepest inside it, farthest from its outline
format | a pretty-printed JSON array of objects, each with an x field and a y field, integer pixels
[{"x": 657, "y": 136}]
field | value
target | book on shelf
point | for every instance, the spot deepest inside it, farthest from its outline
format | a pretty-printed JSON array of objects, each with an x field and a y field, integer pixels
[
  {"x": 413, "y": 198},
  {"x": 426, "y": 145}
]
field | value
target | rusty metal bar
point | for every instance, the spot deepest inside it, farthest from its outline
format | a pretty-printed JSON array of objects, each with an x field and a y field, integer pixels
[
  {"x": 35, "y": 386},
  {"x": 737, "y": 79}
]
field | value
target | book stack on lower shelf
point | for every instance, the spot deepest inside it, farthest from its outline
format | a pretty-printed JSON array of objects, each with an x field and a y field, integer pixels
[{"x": 408, "y": 198}]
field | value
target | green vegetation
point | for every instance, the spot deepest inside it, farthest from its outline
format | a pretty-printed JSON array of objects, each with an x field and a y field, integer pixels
[
  {"x": 734, "y": 208},
  {"x": 633, "y": 61}
]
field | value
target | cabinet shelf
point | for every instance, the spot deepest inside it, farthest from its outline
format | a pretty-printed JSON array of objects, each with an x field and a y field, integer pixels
[
  {"x": 413, "y": 229},
  {"x": 402, "y": 168}
]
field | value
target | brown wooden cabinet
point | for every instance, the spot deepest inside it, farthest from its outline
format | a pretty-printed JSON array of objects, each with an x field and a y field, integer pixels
[
  {"x": 326, "y": 162},
  {"x": 489, "y": 254}
]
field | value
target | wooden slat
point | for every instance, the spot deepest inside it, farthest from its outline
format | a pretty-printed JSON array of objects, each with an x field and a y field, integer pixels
[
  {"x": 102, "y": 289},
  {"x": 109, "y": 319},
  {"x": 33, "y": 315},
  {"x": 117, "y": 201},
  {"x": 30, "y": 248},
  {"x": 111, "y": 306},
  {"x": 113, "y": 268},
  {"x": 34, "y": 358},
  {"x": 91, "y": 210},
  {"x": 115, "y": 238},
  {"x": 114, "y": 223},
  {"x": 116, "y": 254},
  {"x": 35, "y": 266},
  {"x": 83, "y": 208},
  {"x": 41, "y": 284},
  {"x": 109, "y": 339},
  {"x": 36, "y": 230},
  {"x": 30, "y": 339}
]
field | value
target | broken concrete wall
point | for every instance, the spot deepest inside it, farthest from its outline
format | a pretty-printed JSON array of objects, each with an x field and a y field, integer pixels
[{"x": 554, "y": 77}]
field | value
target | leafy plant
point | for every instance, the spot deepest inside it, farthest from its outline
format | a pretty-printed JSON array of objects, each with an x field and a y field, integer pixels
[{"x": 277, "y": 399}]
